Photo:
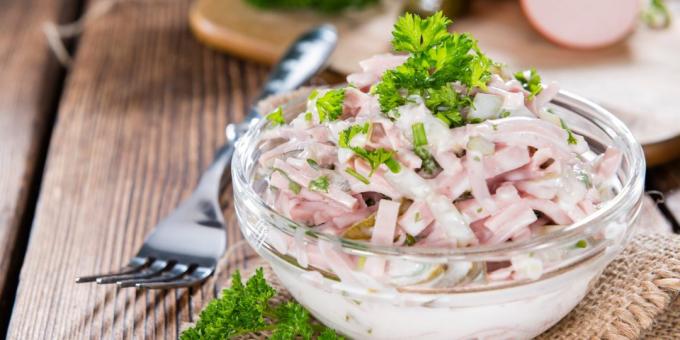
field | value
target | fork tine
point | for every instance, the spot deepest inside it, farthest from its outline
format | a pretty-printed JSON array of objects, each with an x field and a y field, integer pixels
[
  {"x": 156, "y": 268},
  {"x": 135, "y": 265},
  {"x": 197, "y": 276},
  {"x": 176, "y": 272}
]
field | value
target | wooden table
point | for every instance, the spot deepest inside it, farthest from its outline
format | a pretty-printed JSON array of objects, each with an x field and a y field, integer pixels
[{"x": 93, "y": 156}]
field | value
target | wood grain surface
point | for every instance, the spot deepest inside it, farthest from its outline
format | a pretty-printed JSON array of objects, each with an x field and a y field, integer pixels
[
  {"x": 29, "y": 83},
  {"x": 143, "y": 110}
]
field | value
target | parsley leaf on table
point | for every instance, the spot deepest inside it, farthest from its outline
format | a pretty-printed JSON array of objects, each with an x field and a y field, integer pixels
[{"x": 244, "y": 309}]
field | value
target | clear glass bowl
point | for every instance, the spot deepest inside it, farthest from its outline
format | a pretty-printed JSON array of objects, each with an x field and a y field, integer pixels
[{"x": 444, "y": 293}]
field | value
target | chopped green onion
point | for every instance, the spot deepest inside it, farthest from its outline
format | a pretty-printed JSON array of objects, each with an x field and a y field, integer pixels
[
  {"x": 313, "y": 164},
  {"x": 320, "y": 184},
  {"x": 570, "y": 135},
  {"x": 308, "y": 116},
  {"x": 357, "y": 175},
  {"x": 294, "y": 187},
  {"x": 581, "y": 244},
  {"x": 419, "y": 137},
  {"x": 410, "y": 240}
]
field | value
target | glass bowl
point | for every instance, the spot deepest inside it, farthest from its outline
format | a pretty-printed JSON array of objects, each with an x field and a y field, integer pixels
[{"x": 444, "y": 293}]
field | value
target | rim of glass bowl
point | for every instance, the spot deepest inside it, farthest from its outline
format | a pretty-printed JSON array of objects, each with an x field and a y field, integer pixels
[{"x": 630, "y": 192}]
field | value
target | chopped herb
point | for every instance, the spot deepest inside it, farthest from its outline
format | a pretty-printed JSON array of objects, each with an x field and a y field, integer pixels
[
  {"x": 308, "y": 116},
  {"x": 505, "y": 114},
  {"x": 329, "y": 105},
  {"x": 276, "y": 117},
  {"x": 581, "y": 244},
  {"x": 530, "y": 81},
  {"x": 429, "y": 164},
  {"x": 437, "y": 58},
  {"x": 419, "y": 137},
  {"x": 294, "y": 187},
  {"x": 475, "y": 120},
  {"x": 346, "y": 135},
  {"x": 477, "y": 158},
  {"x": 357, "y": 175},
  {"x": 417, "y": 217},
  {"x": 313, "y": 94},
  {"x": 319, "y": 184},
  {"x": 570, "y": 135},
  {"x": 479, "y": 210},
  {"x": 494, "y": 127},
  {"x": 361, "y": 261},
  {"x": 410, "y": 240},
  {"x": 247, "y": 308},
  {"x": 312, "y": 163},
  {"x": 584, "y": 178},
  {"x": 377, "y": 157}
]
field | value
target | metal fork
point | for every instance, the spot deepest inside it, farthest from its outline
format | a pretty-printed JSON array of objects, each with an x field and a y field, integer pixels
[{"x": 184, "y": 248}]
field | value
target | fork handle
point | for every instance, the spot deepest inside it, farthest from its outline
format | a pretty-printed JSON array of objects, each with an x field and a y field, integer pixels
[{"x": 211, "y": 182}]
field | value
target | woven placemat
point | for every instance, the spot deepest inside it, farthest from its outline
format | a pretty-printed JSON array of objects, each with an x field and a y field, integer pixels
[{"x": 636, "y": 297}]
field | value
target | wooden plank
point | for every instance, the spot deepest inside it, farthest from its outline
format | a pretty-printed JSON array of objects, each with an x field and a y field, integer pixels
[
  {"x": 143, "y": 110},
  {"x": 29, "y": 84}
]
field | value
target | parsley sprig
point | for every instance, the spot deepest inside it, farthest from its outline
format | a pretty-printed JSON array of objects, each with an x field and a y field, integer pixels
[
  {"x": 437, "y": 59},
  {"x": 329, "y": 105},
  {"x": 374, "y": 157},
  {"x": 244, "y": 309},
  {"x": 275, "y": 118}
]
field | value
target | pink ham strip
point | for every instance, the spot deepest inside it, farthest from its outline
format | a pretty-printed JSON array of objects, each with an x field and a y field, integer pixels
[
  {"x": 348, "y": 219},
  {"x": 506, "y": 159},
  {"x": 416, "y": 218},
  {"x": 383, "y": 234},
  {"x": 609, "y": 163},
  {"x": 509, "y": 221},
  {"x": 477, "y": 178},
  {"x": 545, "y": 189},
  {"x": 373, "y": 68},
  {"x": 550, "y": 209}
]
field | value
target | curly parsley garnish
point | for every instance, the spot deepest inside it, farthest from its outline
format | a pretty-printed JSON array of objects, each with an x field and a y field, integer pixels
[
  {"x": 530, "y": 81},
  {"x": 244, "y": 309},
  {"x": 437, "y": 59},
  {"x": 329, "y": 105}
]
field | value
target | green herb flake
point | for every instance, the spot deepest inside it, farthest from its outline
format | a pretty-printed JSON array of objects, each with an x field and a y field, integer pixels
[
  {"x": 320, "y": 184},
  {"x": 247, "y": 308},
  {"x": 313, "y": 94},
  {"x": 276, "y": 117},
  {"x": 530, "y": 81},
  {"x": 410, "y": 240},
  {"x": 419, "y": 137},
  {"x": 329, "y": 105},
  {"x": 417, "y": 217},
  {"x": 346, "y": 135},
  {"x": 505, "y": 114},
  {"x": 357, "y": 175},
  {"x": 294, "y": 187},
  {"x": 313, "y": 164},
  {"x": 581, "y": 244},
  {"x": 308, "y": 116},
  {"x": 571, "y": 139}
]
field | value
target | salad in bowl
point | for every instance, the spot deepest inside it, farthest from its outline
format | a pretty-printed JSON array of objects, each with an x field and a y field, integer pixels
[{"x": 436, "y": 196}]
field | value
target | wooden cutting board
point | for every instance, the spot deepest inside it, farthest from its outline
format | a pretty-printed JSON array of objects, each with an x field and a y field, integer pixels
[{"x": 638, "y": 79}]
